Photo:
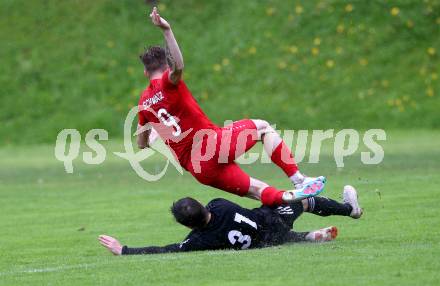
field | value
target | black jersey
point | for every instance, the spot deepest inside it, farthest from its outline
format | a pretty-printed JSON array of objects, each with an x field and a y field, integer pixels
[{"x": 232, "y": 227}]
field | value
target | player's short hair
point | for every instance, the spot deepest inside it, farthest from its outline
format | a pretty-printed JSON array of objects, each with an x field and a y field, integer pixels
[
  {"x": 154, "y": 59},
  {"x": 190, "y": 213}
]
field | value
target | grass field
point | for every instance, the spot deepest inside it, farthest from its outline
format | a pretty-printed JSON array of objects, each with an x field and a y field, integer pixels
[
  {"x": 50, "y": 221},
  {"x": 377, "y": 59}
]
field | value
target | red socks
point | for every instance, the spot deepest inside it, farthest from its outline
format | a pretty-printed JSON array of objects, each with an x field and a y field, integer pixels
[
  {"x": 283, "y": 158},
  {"x": 271, "y": 197}
]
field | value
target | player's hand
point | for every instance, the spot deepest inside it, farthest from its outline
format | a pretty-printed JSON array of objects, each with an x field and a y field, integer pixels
[
  {"x": 111, "y": 243},
  {"x": 158, "y": 21}
]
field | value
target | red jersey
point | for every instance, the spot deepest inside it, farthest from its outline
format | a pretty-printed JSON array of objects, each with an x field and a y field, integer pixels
[{"x": 174, "y": 113}]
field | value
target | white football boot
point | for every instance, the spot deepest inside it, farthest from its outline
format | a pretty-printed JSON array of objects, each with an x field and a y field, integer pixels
[
  {"x": 323, "y": 234},
  {"x": 307, "y": 180},
  {"x": 350, "y": 197},
  {"x": 310, "y": 187}
]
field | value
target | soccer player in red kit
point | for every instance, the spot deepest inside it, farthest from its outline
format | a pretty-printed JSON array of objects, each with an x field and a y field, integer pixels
[{"x": 201, "y": 147}]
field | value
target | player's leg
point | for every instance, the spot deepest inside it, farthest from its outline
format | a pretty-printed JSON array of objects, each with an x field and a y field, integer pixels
[
  {"x": 238, "y": 137},
  {"x": 280, "y": 154},
  {"x": 242, "y": 135},
  {"x": 270, "y": 196},
  {"x": 323, "y": 206},
  {"x": 231, "y": 178},
  {"x": 319, "y": 235}
]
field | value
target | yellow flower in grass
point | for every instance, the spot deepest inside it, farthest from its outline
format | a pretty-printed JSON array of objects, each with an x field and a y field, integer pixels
[
  {"x": 293, "y": 49},
  {"x": 110, "y": 44},
  {"x": 162, "y": 7},
  {"x": 252, "y": 50},
  {"x": 315, "y": 51},
  {"x": 363, "y": 62},
  {"x": 340, "y": 28},
  {"x": 225, "y": 62},
  {"x": 317, "y": 41},
  {"x": 270, "y": 11},
  {"x": 217, "y": 67},
  {"x": 299, "y": 9},
  {"x": 430, "y": 91},
  {"x": 395, "y": 11},
  {"x": 282, "y": 65},
  {"x": 349, "y": 8},
  {"x": 431, "y": 51},
  {"x": 339, "y": 50},
  {"x": 434, "y": 76},
  {"x": 330, "y": 63}
]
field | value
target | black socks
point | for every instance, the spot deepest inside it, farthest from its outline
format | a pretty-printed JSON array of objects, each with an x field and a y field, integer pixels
[{"x": 323, "y": 206}]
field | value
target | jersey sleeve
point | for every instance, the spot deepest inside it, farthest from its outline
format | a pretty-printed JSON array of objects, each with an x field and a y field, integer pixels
[
  {"x": 150, "y": 249},
  {"x": 191, "y": 243},
  {"x": 166, "y": 83},
  {"x": 195, "y": 243},
  {"x": 141, "y": 117}
]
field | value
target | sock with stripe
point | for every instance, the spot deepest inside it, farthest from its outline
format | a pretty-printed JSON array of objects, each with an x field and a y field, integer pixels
[{"x": 323, "y": 206}]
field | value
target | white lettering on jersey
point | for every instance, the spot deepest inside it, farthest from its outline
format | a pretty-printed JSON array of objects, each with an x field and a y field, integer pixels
[
  {"x": 284, "y": 210},
  {"x": 152, "y": 100}
]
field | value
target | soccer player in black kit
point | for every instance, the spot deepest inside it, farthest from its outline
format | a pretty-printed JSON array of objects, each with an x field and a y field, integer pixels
[{"x": 225, "y": 225}]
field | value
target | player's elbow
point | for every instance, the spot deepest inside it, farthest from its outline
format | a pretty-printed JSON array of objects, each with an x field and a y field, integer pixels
[{"x": 142, "y": 144}]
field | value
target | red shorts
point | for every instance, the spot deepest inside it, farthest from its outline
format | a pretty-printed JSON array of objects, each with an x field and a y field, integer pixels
[{"x": 212, "y": 159}]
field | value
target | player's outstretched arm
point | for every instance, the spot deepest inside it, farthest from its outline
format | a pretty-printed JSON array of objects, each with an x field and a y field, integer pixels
[
  {"x": 146, "y": 136},
  {"x": 143, "y": 136},
  {"x": 115, "y": 247},
  {"x": 174, "y": 50}
]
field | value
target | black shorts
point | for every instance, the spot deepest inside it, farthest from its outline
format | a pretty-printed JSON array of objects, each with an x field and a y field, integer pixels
[{"x": 277, "y": 222}]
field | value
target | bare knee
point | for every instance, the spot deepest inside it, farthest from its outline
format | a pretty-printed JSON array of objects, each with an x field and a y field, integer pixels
[
  {"x": 260, "y": 124},
  {"x": 256, "y": 188},
  {"x": 263, "y": 128}
]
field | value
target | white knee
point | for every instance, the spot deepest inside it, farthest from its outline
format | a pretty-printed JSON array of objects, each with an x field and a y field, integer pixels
[
  {"x": 260, "y": 124},
  {"x": 263, "y": 127}
]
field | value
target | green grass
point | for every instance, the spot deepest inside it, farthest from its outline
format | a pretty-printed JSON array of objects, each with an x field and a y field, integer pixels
[
  {"x": 50, "y": 221},
  {"x": 74, "y": 64}
]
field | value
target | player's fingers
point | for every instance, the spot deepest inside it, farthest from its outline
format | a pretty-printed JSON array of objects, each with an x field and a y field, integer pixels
[
  {"x": 103, "y": 243},
  {"x": 104, "y": 239}
]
